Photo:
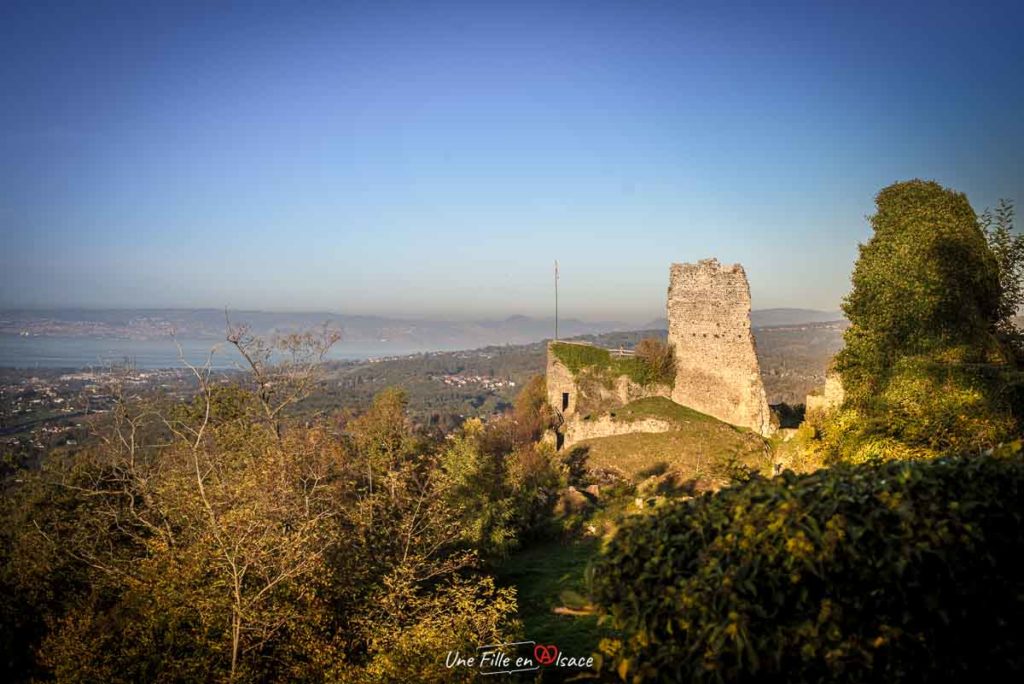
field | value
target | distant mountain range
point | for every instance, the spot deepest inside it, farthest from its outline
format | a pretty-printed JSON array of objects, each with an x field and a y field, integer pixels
[
  {"x": 378, "y": 332},
  {"x": 362, "y": 331},
  {"x": 769, "y": 318}
]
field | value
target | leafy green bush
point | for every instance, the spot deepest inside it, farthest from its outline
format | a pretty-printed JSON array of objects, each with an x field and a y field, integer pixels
[
  {"x": 925, "y": 282},
  {"x": 926, "y": 409},
  {"x": 893, "y": 572},
  {"x": 930, "y": 362},
  {"x": 659, "y": 358}
]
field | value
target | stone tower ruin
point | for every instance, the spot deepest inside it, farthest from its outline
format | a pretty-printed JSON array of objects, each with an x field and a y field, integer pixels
[{"x": 717, "y": 371}]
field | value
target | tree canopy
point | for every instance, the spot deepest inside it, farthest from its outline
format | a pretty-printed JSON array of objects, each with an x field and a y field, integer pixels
[{"x": 930, "y": 363}]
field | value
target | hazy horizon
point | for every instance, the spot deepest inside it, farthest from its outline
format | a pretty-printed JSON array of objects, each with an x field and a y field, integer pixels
[
  {"x": 434, "y": 159},
  {"x": 638, "y": 315},
  {"x": 411, "y": 317}
]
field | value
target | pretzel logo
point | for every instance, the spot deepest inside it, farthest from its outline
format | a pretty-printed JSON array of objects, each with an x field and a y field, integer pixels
[{"x": 545, "y": 655}]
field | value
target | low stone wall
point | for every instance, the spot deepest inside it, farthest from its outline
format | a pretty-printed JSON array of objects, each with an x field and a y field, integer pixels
[
  {"x": 579, "y": 430},
  {"x": 831, "y": 398}
]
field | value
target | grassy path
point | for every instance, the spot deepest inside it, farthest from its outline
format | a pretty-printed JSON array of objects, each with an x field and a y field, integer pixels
[{"x": 548, "y": 575}]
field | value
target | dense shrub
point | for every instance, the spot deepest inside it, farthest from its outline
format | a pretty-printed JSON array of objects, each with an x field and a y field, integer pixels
[
  {"x": 234, "y": 553},
  {"x": 905, "y": 571},
  {"x": 926, "y": 409},
  {"x": 659, "y": 358},
  {"x": 930, "y": 364}
]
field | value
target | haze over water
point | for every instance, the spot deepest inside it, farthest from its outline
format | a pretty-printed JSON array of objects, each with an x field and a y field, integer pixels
[{"x": 18, "y": 351}]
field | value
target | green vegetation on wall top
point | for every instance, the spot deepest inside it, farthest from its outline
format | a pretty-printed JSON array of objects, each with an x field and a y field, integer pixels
[
  {"x": 576, "y": 357},
  {"x": 579, "y": 357}
]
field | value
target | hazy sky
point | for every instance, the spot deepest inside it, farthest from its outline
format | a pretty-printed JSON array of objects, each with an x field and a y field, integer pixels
[{"x": 434, "y": 158}]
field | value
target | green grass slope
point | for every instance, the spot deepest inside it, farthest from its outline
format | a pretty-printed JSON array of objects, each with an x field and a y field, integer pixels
[
  {"x": 701, "y": 447},
  {"x": 548, "y": 576}
]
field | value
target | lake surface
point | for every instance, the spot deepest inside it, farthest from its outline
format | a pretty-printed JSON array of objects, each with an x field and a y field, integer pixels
[{"x": 18, "y": 351}]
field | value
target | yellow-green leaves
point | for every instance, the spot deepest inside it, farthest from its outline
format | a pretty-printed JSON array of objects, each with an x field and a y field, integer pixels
[{"x": 871, "y": 572}]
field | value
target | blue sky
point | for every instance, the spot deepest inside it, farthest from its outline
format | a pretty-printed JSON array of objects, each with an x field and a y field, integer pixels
[{"x": 432, "y": 159}]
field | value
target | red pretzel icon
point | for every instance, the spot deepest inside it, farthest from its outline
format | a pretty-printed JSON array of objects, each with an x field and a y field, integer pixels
[{"x": 545, "y": 655}]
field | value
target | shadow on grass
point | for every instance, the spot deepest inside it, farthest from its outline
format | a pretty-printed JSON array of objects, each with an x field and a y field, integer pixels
[
  {"x": 545, "y": 574},
  {"x": 654, "y": 470}
]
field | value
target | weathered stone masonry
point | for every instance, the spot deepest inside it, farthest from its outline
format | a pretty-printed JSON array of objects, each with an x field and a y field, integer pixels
[
  {"x": 561, "y": 385},
  {"x": 717, "y": 371},
  {"x": 830, "y": 398},
  {"x": 565, "y": 393}
]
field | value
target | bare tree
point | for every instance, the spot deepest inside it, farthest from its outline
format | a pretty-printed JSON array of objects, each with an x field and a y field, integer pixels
[
  {"x": 284, "y": 369},
  {"x": 216, "y": 502}
]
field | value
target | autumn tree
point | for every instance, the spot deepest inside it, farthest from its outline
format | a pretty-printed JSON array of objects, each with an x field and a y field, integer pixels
[
  {"x": 503, "y": 479},
  {"x": 658, "y": 356},
  {"x": 217, "y": 540},
  {"x": 1007, "y": 247},
  {"x": 212, "y": 539},
  {"x": 419, "y": 590},
  {"x": 532, "y": 413},
  {"x": 282, "y": 370}
]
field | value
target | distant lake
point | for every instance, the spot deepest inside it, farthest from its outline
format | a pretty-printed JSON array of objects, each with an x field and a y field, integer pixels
[{"x": 18, "y": 351}]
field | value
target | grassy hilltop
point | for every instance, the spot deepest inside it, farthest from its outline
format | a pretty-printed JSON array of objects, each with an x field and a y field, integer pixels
[{"x": 698, "y": 446}]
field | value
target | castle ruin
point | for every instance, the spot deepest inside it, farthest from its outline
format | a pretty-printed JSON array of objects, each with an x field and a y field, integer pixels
[{"x": 717, "y": 371}]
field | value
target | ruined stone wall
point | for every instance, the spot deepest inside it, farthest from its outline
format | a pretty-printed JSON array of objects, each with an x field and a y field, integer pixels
[
  {"x": 606, "y": 426},
  {"x": 591, "y": 395},
  {"x": 717, "y": 371},
  {"x": 560, "y": 379},
  {"x": 831, "y": 397}
]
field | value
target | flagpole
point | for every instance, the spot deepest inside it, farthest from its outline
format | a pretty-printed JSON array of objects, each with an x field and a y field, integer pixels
[{"x": 556, "y": 300}]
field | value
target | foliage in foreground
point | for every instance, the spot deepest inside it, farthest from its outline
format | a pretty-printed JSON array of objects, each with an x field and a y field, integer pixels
[
  {"x": 500, "y": 478},
  {"x": 212, "y": 542},
  {"x": 905, "y": 571}
]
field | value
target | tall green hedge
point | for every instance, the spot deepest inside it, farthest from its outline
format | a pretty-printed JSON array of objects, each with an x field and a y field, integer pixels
[
  {"x": 907, "y": 571},
  {"x": 925, "y": 364}
]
